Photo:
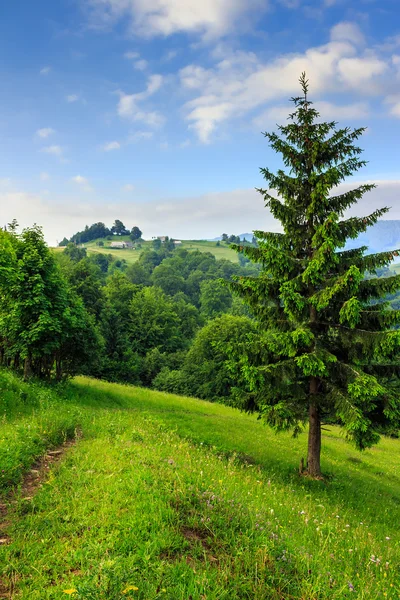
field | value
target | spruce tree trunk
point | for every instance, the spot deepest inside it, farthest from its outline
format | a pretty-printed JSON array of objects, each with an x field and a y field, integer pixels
[{"x": 314, "y": 434}]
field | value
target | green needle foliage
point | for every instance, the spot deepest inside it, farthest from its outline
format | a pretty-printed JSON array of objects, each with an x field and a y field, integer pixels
[{"x": 329, "y": 344}]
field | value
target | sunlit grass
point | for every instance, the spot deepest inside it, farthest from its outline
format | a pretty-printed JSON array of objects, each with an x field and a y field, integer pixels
[{"x": 182, "y": 498}]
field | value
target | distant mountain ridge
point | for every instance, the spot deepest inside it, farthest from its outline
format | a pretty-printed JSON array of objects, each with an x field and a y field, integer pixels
[{"x": 385, "y": 235}]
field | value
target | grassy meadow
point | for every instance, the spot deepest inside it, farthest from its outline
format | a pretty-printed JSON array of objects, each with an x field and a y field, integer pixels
[
  {"x": 131, "y": 256},
  {"x": 175, "y": 498}
]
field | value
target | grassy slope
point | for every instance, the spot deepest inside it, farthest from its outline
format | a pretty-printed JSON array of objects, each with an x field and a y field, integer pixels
[
  {"x": 182, "y": 499},
  {"x": 131, "y": 256}
]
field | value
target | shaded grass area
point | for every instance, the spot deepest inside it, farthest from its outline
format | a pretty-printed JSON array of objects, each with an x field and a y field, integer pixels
[{"x": 170, "y": 497}]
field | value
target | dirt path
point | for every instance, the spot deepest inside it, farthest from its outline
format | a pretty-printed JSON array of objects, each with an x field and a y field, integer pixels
[{"x": 32, "y": 481}]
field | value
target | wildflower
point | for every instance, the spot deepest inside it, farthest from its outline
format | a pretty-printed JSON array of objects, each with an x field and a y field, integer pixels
[
  {"x": 351, "y": 586},
  {"x": 70, "y": 591},
  {"x": 387, "y": 537},
  {"x": 130, "y": 588}
]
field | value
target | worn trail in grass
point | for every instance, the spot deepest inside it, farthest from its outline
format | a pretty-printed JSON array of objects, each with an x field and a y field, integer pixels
[{"x": 168, "y": 497}]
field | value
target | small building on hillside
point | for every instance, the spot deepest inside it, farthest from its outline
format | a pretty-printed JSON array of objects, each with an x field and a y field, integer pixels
[
  {"x": 177, "y": 242},
  {"x": 121, "y": 245},
  {"x": 162, "y": 238}
]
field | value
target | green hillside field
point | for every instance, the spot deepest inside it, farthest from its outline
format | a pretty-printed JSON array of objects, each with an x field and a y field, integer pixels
[
  {"x": 131, "y": 256},
  {"x": 174, "y": 498}
]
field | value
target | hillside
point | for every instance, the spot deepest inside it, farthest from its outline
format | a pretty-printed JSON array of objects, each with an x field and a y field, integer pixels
[
  {"x": 131, "y": 256},
  {"x": 169, "y": 497}
]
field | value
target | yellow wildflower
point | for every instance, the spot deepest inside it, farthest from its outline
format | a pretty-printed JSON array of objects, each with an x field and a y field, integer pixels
[
  {"x": 130, "y": 588},
  {"x": 70, "y": 591}
]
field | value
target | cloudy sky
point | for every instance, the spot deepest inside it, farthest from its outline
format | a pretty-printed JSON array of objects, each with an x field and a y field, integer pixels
[{"x": 151, "y": 111}]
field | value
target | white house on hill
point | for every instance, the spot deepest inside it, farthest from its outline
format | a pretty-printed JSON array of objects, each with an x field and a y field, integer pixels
[{"x": 121, "y": 245}]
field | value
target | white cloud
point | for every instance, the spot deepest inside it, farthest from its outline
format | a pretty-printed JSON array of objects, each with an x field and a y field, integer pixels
[
  {"x": 111, "y": 146},
  {"x": 45, "y": 70},
  {"x": 170, "y": 55},
  {"x": 348, "y": 32},
  {"x": 356, "y": 72},
  {"x": 140, "y": 135},
  {"x": 209, "y": 18},
  {"x": 54, "y": 150},
  {"x": 72, "y": 98},
  {"x": 394, "y": 102},
  {"x": 44, "y": 176},
  {"x": 45, "y": 132},
  {"x": 128, "y": 104},
  {"x": 198, "y": 217},
  {"x": 80, "y": 180},
  {"x": 327, "y": 110},
  {"x": 128, "y": 187},
  {"x": 141, "y": 65},
  {"x": 241, "y": 83},
  {"x": 131, "y": 55}
]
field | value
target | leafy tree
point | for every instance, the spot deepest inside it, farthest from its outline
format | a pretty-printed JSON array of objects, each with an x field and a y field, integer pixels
[
  {"x": 86, "y": 279},
  {"x": 154, "y": 322},
  {"x": 42, "y": 322},
  {"x": 157, "y": 243},
  {"x": 64, "y": 242},
  {"x": 95, "y": 231},
  {"x": 215, "y": 298},
  {"x": 138, "y": 274},
  {"x": 327, "y": 353},
  {"x": 168, "y": 278},
  {"x": 136, "y": 234},
  {"x": 119, "y": 228},
  {"x": 224, "y": 237},
  {"x": 76, "y": 254},
  {"x": 206, "y": 372}
]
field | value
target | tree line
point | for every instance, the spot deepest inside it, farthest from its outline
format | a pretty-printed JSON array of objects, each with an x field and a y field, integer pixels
[{"x": 100, "y": 231}]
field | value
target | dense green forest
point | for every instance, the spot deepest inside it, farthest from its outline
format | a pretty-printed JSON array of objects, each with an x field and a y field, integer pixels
[{"x": 155, "y": 322}]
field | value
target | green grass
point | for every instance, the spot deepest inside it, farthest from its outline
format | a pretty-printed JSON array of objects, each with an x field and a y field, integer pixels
[
  {"x": 131, "y": 256},
  {"x": 182, "y": 499}
]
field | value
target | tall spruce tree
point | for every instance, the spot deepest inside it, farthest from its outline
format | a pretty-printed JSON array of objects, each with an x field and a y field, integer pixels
[{"x": 328, "y": 351}]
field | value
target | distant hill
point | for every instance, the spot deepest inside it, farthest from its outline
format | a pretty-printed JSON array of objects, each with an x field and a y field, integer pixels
[
  {"x": 385, "y": 235},
  {"x": 246, "y": 236}
]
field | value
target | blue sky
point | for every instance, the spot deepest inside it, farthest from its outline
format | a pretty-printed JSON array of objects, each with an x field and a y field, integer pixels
[{"x": 151, "y": 110}]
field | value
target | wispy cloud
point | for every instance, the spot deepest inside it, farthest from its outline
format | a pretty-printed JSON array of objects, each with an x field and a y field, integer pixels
[
  {"x": 141, "y": 65},
  {"x": 45, "y": 71},
  {"x": 82, "y": 182},
  {"x": 45, "y": 132},
  {"x": 192, "y": 217},
  {"x": 129, "y": 104},
  {"x": 208, "y": 18},
  {"x": 54, "y": 150},
  {"x": 131, "y": 55},
  {"x": 72, "y": 98},
  {"x": 44, "y": 176},
  {"x": 240, "y": 82},
  {"x": 128, "y": 187},
  {"x": 111, "y": 146},
  {"x": 79, "y": 179}
]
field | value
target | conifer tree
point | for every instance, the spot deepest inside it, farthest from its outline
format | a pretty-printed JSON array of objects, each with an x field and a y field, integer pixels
[{"x": 329, "y": 343}]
